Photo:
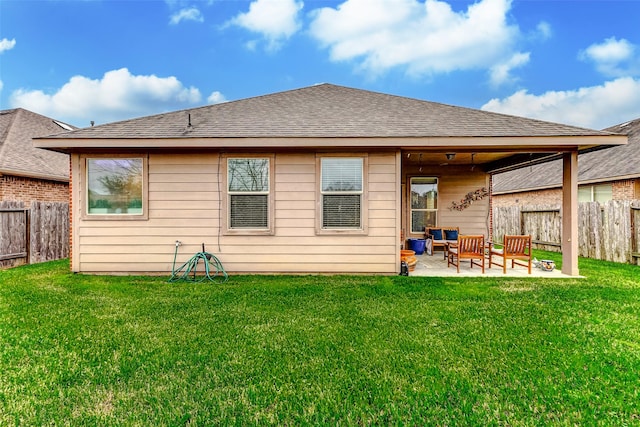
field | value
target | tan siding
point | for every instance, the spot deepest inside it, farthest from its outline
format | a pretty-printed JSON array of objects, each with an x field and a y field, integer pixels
[
  {"x": 160, "y": 268},
  {"x": 74, "y": 211},
  {"x": 296, "y": 205},
  {"x": 375, "y": 187},
  {"x": 453, "y": 188},
  {"x": 179, "y": 196},
  {"x": 293, "y": 195},
  {"x": 250, "y": 242},
  {"x": 177, "y": 187},
  {"x": 184, "y": 205}
]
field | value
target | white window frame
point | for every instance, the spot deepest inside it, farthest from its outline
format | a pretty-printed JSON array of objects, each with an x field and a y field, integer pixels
[
  {"x": 143, "y": 214},
  {"x": 411, "y": 209},
  {"x": 363, "y": 227},
  {"x": 228, "y": 194}
]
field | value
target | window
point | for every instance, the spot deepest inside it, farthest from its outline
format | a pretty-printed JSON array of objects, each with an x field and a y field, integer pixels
[
  {"x": 341, "y": 192},
  {"x": 248, "y": 188},
  {"x": 115, "y": 186},
  {"x": 424, "y": 203},
  {"x": 595, "y": 193}
]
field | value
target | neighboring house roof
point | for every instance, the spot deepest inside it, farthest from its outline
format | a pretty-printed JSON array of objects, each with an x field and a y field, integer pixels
[
  {"x": 19, "y": 157},
  {"x": 328, "y": 111},
  {"x": 610, "y": 164}
]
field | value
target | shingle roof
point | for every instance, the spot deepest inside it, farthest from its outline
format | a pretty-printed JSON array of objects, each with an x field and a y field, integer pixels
[
  {"x": 18, "y": 156},
  {"x": 617, "y": 162},
  {"x": 326, "y": 111}
]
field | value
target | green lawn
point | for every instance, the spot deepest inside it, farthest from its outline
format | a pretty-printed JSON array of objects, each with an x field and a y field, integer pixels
[{"x": 299, "y": 350}]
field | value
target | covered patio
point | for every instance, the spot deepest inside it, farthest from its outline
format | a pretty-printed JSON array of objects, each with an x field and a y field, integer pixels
[
  {"x": 462, "y": 194},
  {"x": 436, "y": 266}
]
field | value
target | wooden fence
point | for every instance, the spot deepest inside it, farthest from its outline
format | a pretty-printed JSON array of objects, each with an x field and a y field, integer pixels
[
  {"x": 608, "y": 231},
  {"x": 33, "y": 235}
]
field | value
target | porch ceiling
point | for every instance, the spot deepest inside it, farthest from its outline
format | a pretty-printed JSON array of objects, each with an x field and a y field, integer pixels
[
  {"x": 488, "y": 161},
  {"x": 445, "y": 158},
  {"x": 491, "y": 162}
]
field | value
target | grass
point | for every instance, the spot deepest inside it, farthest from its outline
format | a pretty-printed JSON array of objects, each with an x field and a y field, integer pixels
[{"x": 299, "y": 350}]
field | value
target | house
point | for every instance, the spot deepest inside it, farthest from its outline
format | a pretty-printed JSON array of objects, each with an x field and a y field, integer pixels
[
  {"x": 322, "y": 179},
  {"x": 611, "y": 174},
  {"x": 28, "y": 173}
]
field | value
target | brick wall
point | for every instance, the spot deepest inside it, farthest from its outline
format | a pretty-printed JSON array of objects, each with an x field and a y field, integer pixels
[
  {"x": 624, "y": 190},
  {"x": 26, "y": 190},
  {"x": 628, "y": 189},
  {"x": 551, "y": 196}
]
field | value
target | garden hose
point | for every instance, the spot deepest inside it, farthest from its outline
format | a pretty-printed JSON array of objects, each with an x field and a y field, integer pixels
[{"x": 213, "y": 269}]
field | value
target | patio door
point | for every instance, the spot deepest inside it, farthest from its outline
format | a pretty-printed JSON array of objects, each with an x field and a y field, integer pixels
[{"x": 423, "y": 203}]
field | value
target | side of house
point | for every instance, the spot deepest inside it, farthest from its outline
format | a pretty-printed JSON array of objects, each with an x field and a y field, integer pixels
[
  {"x": 34, "y": 190},
  {"x": 27, "y": 173},
  {"x": 189, "y": 200},
  {"x": 28, "y": 190},
  {"x": 623, "y": 189}
]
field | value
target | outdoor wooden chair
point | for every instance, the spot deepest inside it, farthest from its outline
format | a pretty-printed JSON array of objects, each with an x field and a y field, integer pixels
[
  {"x": 514, "y": 248},
  {"x": 467, "y": 247}
]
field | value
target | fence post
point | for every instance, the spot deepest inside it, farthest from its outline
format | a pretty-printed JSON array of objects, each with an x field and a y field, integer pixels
[
  {"x": 635, "y": 239},
  {"x": 27, "y": 237}
]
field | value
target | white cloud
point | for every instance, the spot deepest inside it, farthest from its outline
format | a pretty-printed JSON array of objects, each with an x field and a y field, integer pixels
[
  {"x": 276, "y": 20},
  {"x": 613, "y": 57},
  {"x": 118, "y": 95},
  {"x": 501, "y": 72},
  {"x": 611, "y": 50},
  {"x": 216, "y": 98},
  {"x": 1, "y": 85},
  {"x": 594, "y": 107},
  {"x": 191, "y": 14},
  {"x": 6, "y": 44},
  {"x": 423, "y": 37},
  {"x": 543, "y": 30}
]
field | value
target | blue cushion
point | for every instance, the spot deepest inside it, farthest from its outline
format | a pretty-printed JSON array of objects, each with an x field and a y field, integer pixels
[
  {"x": 436, "y": 233},
  {"x": 451, "y": 234}
]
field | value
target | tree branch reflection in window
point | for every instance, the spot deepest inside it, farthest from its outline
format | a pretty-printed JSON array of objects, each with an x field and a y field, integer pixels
[
  {"x": 114, "y": 186},
  {"x": 248, "y": 175}
]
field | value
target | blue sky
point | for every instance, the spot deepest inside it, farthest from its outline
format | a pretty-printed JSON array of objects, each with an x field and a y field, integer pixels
[{"x": 574, "y": 62}]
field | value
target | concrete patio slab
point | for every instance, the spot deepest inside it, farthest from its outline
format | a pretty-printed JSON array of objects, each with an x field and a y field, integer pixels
[{"x": 435, "y": 266}]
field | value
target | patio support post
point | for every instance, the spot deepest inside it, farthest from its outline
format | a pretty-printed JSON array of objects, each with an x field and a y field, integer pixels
[{"x": 570, "y": 213}]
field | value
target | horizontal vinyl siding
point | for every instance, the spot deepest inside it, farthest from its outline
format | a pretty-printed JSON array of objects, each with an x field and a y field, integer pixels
[
  {"x": 453, "y": 188},
  {"x": 184, "y": 205}
]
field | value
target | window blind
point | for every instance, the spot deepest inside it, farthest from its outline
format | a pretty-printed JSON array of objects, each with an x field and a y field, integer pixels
[
  {"x": 250, "y": 211},
  {"x": 341, "y": 175},
  {"x": 341, "y": 187}
]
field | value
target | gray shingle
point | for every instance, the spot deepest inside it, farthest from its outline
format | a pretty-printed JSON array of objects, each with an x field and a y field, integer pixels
[
  {"x": 18, "y": 155},
  {"x": 326, "y": 111}
]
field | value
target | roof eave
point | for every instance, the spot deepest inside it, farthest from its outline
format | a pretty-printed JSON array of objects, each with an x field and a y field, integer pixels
[
  {"x": 498, "y": 143},
  {"x": 34, "y": 175}
]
